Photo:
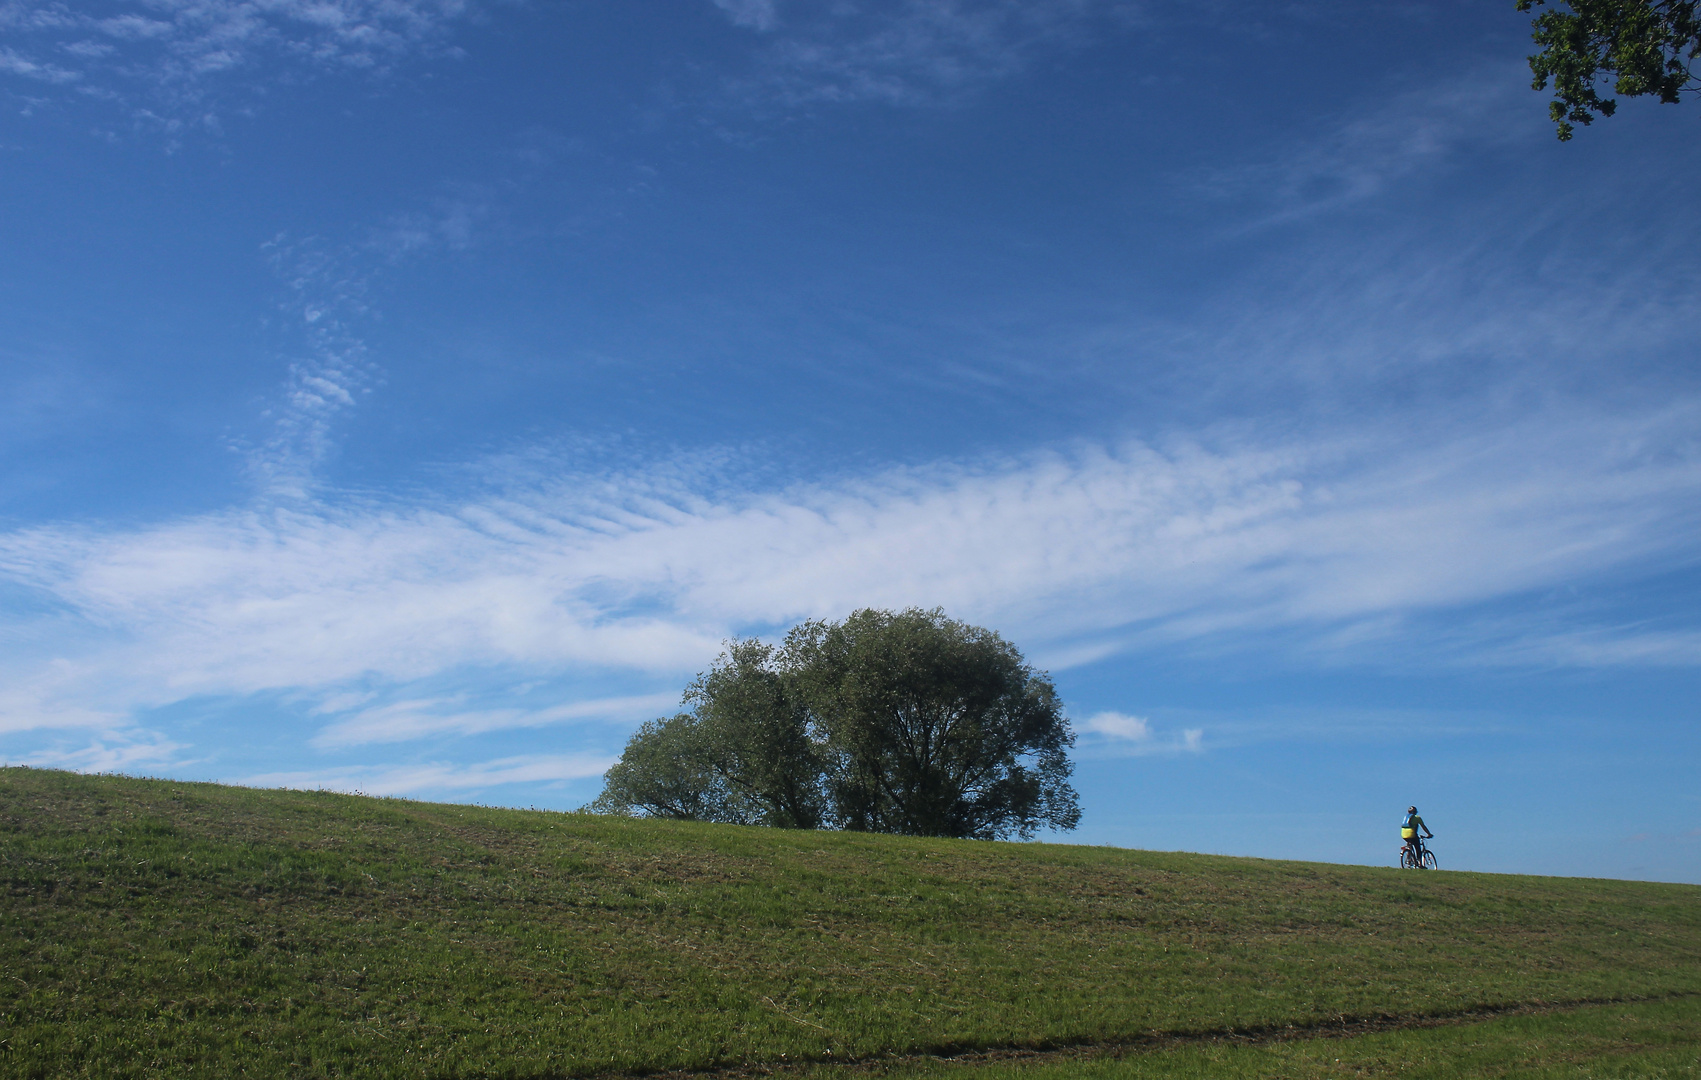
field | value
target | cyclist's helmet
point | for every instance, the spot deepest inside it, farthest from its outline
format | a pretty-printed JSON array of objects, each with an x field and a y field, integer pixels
[{"x": 1411, "y": 809}]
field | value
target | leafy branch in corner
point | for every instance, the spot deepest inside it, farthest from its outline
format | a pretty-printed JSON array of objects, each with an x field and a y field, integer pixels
[{"x": 1647, "y": 46}]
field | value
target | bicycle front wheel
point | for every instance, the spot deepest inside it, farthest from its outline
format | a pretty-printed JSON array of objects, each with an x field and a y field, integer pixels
[{"x": 1429, "y": 860}]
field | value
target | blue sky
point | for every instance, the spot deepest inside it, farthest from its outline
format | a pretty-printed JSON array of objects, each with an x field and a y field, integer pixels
[{"x": 409, "y": 396}]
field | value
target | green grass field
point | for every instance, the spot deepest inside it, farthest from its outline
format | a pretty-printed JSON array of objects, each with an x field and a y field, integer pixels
[{"x": 154, "y": 928}]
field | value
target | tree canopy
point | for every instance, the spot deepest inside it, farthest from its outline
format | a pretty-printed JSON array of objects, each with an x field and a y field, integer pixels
[
  {"x": 1646, "y": 46},
  {"x": 898, "y": 722}
]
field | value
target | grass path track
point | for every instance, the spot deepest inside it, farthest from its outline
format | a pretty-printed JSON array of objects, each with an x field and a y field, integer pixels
[{"x": 1343, "y": 1028}]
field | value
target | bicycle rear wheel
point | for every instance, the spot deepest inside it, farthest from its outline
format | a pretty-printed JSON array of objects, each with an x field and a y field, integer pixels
[
  {"x": 1429, "y": 862},
  {"x": 1407, "y": 860}
]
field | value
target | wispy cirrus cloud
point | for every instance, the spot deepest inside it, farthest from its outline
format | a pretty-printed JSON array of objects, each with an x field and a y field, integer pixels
[
  {"x": 439, "y": 777},
  {"x": 404, "y": 721},
  {"x": 1334, "y": 547},
  {"x": 1357, "y": 156},
  {"x": 160, "y": 58},
  {"x": 906, "y": 52},
  {"x": 324, "y": 298},
  {"x": 110, "y": 751},
  {"x": 13, "y": 63},
  {"x": 51, "y": 692},
  {"x": 324, "y": 302},
  {"x": 756, "y": 14},
  {"x": 1623, "y": 644}
]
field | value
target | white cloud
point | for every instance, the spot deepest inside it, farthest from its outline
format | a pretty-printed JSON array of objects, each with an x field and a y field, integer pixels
[
  {"x": 1337, "y": 542},
  {"x": 439, "y": 776},
  {"x": 1117, "y": 725},
  {"x": 1123, "y": 735}
]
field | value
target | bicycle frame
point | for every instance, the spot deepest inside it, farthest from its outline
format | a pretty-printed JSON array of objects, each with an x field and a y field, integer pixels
[{"x": 1415, "y": 855}]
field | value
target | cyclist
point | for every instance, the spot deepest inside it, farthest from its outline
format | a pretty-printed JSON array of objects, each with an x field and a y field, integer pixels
[{"x": 1410, "y": 826}]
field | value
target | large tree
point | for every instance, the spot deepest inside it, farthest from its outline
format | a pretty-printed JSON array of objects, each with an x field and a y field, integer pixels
[
  {"x": 757, "y": 738},
  {"x": 934, "y": 727},
  {"x": 666, "y": 771},
  {"x": 743, "y": 754},
  {"x": 906, "y": 722},
  {"x": 1644, "y": 46}
]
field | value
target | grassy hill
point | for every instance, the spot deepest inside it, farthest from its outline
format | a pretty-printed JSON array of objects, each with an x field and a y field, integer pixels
[{"x": 167, "y": 929}]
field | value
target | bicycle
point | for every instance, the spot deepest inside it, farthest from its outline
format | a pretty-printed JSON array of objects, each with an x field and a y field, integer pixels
[{"x": 1416, "y": 856}]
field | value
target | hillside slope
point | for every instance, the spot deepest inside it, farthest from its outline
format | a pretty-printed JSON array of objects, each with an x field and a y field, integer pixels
[{"x": 160, "y": 928}]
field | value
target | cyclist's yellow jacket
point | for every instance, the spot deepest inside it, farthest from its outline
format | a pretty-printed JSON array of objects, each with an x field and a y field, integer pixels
[{"x": 1410, "y": 826}]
